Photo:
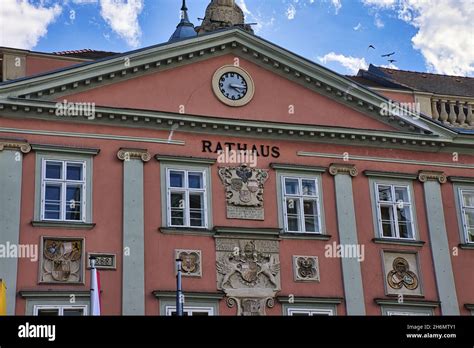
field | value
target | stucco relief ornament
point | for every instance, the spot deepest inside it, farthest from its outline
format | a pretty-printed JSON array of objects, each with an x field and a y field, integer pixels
[
  {"x": 401, "y": 275},
  {"x": 249, "y": 278},
  {"x": 249, "y": 264},
  {"x": 62, "y": 261},
  {"x": 244, "y": 189}
]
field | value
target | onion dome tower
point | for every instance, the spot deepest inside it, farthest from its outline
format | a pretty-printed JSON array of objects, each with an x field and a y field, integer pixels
[
  {"x": 184, "y": 29},
  {"x": 221, "y": 14}
]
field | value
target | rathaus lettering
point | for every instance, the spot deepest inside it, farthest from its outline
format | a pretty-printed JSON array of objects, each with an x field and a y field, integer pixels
[{"x": 260, "y": 150}]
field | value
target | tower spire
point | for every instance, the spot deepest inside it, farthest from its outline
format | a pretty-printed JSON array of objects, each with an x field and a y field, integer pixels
[{"x": 185, "y": 28}]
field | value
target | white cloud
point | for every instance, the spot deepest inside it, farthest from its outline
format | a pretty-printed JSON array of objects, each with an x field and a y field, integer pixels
[
  {"x": 23, "y": 24},
  {"x": 122, "y": 17},
  {"x": 352, "y": 64},
  {"x": 357, "y": 27},
  {"x": 444, "y": 35},
  {"x": 337, "y": 5},
  {"x": 84, "y": 2},
  {"x": 389, "y": 66},
  {"x": 290, "y": 12},
  {"x": 378, "y": 21},
  {"x": 255, "y": 17},
  {"x": 379, "y": 3}
]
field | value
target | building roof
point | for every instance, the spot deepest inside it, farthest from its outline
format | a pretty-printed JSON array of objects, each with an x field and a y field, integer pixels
[
  {"x": 85, "y": 54},
  {"x": 420, "y": 81},
  {"x": 184, "y": 29}
]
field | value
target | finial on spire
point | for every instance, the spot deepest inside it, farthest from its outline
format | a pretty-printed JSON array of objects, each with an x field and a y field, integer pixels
[{"x": 184, "y": 28}]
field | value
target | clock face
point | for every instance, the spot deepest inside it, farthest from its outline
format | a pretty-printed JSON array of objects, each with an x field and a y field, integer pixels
[{"x": 232, "y": 85}]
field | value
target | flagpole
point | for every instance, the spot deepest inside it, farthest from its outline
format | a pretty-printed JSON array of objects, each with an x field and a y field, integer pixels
[
  {"x": 94, "y": 287},
  {"x": 179, "y": 290}
]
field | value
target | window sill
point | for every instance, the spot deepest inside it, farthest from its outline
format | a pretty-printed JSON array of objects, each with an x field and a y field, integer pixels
[
  {"x": 64, "y": 224},
  {"x": 305, "y": 235},
  {"x": 416, "y": 243},
  {"x": 186, "y": 230},
  {"x": 466, "y": 246}
]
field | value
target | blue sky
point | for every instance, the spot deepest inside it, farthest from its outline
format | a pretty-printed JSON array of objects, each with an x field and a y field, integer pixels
[{"x": 335, "y": 33}]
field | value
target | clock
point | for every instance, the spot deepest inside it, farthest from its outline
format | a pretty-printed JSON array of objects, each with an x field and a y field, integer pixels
[{"x": 233, "y": 85}]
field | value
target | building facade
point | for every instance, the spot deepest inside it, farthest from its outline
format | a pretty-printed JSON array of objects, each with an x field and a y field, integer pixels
[{"x": 284, "y": 187}]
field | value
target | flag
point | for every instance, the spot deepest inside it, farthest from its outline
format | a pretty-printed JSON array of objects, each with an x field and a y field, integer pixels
[
  {"x": 95, "y": 290},
  {"x": 3, "y": 298}
]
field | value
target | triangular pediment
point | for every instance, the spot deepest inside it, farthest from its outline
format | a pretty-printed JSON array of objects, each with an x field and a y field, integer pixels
[{"x": 289, "y": 88}]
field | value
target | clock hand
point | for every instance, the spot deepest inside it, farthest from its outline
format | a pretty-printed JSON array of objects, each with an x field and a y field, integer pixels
[{"x": 234, "y": 85}]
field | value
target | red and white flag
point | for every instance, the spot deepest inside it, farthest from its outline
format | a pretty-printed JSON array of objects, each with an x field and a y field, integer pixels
[{"x": 95, "y": 291}]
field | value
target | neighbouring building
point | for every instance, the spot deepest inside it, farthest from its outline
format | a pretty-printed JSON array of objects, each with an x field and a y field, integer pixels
[{"x": 284, "y": 187}]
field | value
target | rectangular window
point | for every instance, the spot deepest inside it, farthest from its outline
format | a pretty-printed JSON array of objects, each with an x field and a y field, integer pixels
[
  {"x": 186, "y": 198},
  {"x": 466, "y": 197},
  {"x": 406, "y": 313},
  {"x": 59, "y": 310},
  {"x": 191, "y": 311},
  {"x": 394, "y": 211},
  {"x": 301, "y": 204},
  {"x": 302, "y": 312},
  {"x": 63, "y": 190}
]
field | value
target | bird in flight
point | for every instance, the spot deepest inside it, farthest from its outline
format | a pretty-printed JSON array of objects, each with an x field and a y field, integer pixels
[
  {"x": 388, "y": 54},
  {"x": 391, "y": 61},
  {"x": 371, "y": 46}
]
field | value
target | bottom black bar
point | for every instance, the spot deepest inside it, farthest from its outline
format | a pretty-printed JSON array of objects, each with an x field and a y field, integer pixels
[{"x": 140, "y": 331}]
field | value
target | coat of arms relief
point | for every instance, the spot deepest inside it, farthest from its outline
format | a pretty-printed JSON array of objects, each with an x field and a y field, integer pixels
[
  {"x": 244, "y": 191},
  {"x": 248, "y": 271}
]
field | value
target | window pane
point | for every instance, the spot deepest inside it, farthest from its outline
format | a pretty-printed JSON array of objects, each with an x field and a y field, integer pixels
[
  {"x": 48, "y": 312},
  {"x": 404, "y": 214},
  {"x": 195, "y": 313},
  {"x": 73, "y": 312},
  {"x": 293, "y": 217},
  {"x": 470, "y": 235},
  {"x": 310, "y": 216},
  {"x": 176, "y": 179},
  {"x": 385, "y": 193},
  {"x": 387, "y": 229},
  {"x": 386, "y": 213},
  {"x": 309, "y": 187},
  {"x": 468, "y": 199},
  {"x": 53, "y": 192},
  {"x": 401, "y": 194},
  {"x": 469, "y": 216},
  {"x": 195, "y": 180},
  {"x": 177, "y": 208},
  {"x": 300, "y": 314},
  {"x": 52, "y": 204},
  {"x": 74, "y": 171},
  {"x": 405, "y": 230},
  {"x": 73, "y": 202},
  {"x": 53, "y": 170},
  {"x": 291, "y": 186},
  {"x": 196, "y": 203}
]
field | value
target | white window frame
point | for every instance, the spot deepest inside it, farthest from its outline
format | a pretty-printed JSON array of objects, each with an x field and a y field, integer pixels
[
  {"x": 301, "y": 198},
  {"x": 406, "y": 313},
  {"x": 394, "y": 204},
  {"x": 63, "y": 183},
  {"x": 186, "y": 190},
  {"x": 310, "y": 311},
  {"x": 463, "y": 213},
  {"x": 190, "y": 310},
  {"x": 60, "y": 308}
]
